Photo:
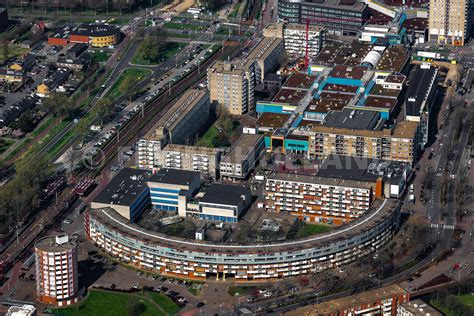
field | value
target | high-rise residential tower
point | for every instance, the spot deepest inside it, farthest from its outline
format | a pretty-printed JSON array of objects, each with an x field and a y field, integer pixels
[
  {"x": 56, "y": 270},
  {"x": 449, "y": 21}
]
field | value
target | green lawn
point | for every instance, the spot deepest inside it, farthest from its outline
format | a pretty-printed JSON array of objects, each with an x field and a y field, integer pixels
[
  {"x": 115, "y": 91},
  {"x": 26, "y": 141},
  {"x": 99, "y": 57},
  {"x": 313, "y": 229},
  {"x": 13, "y": 51},
  {"x": 178, "y": 35},
  {"x": 183, "y": 26},
  {"x": 445, "y": 311},
  {"x": 206, "y": 139},
  {"x": 4, "y": 144},
  {"x": 170, "y": 50},
  {"x": 173, "y": 48},
  {"x": 235, "y": 10},
  {"x": 165, "y": 303},
  {"x": 194, "y": 291},
  {"x": 108, "y": 303},
  {"x": 467, "y": 299},
  {"x": 240, "y": 290},
  {"x": 225, "y": 31}
]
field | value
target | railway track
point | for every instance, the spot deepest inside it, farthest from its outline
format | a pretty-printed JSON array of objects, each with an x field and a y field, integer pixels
[{"x": 44, "y": 220}]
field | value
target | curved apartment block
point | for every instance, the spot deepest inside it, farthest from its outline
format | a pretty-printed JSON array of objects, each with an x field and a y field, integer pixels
[{"x": 200, "y": 259}]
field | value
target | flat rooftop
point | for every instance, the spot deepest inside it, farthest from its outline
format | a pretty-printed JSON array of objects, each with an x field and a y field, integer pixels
[
  {"x": 299, "y": 81},
  {"x": 272, "y": 120},
  {"x": 180, "y": 109},
  {"x": 395, "y": 78},
  {"x": 350, "y": 54},
  {"x": 379, "y": 91},
  {"x": 349, "y": 302},
  {"x": 378, "y": 213},
  {"x": 92, "y": 29},
  {"x": 393, "y": 59},
  {"x": 260, "y": 51},
  {"x": 405, "y": 129},
  {"x": 50, "y": 243},
  {"x": 242, "y": 147},
  {"x": 191, "y": 149},
  {"x": 289, "y": 96},
  {"x": 361, "y": 169},
  {"x": 174, "y": 176},
  {"x": 315, "y": 179},
  {"x": 225, "y": 194},
  {"x": 348, "y": 72},
  {"x": 340, "y": 88},
  {"x": 378, "y": 18},
  {"x": 418, "y": 307},
  {"x": 124, "y": 188},
  {"x": 421, "y": 81},
  {"x": 402, "y": 129},
  {"x": 339, "y": 4},
  {"x": 380, "y": 102},
  {"x": 416, "y": 24},
  {"x": 352, "y": 119},
  {"x": 326, "y": 105},
  {"x": 225, "y": 67}
]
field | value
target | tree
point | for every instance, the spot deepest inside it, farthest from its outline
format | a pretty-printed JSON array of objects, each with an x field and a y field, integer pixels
[
  {"x": 59, "y": 105},
  {"x": 149, "y": 51},
  {"x": 129, "y": 86},
  {"x": 5, "y": 50},
  {"x": 104, "y": 109},
  {"x": 153, "y": 47},
  {"x": 26, "y": 122},
  {"x": 82, "y": 129}
]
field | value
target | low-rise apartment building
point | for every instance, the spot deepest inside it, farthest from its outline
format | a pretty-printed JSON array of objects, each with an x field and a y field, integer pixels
[
  {"x": 318, "y": 199},
  {"x": 193, "y": 158},
  {"x": 242, "y": 157},
  {"x": 399, "y": 143},
  {"x": 10, "y": 75},
  {"x": 381, "y": 301},
  {"x": 179, "y": 125}
]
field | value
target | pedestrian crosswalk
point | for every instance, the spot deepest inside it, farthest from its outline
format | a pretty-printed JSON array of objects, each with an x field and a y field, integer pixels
[{"x": 443, "y": 226}]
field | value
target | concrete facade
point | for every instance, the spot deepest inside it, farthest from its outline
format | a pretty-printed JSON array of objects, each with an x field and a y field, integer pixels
[{"x": 179, "y": 125}]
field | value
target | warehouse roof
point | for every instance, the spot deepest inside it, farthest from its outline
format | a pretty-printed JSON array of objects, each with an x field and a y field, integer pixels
[
  {"x": 124, "y": 188},
  {"x": 225, "y": 194},
  {"x": 353, "y": 119},
  {"x": 421, "y": 82},
  {"x": 174, "y": 176},
  {"x": 361, "y": 169}
]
